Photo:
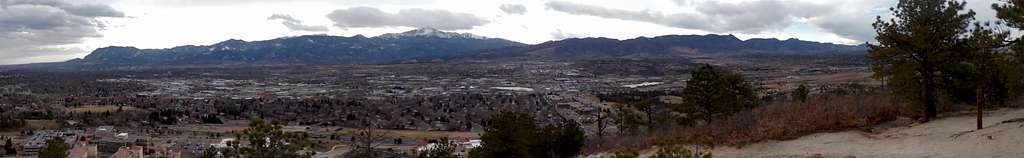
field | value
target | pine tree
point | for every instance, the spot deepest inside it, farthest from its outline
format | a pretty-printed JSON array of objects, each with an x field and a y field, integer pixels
[
  {"x": 517, "y": 135},
  {"x": 1010, "y": 13},
  {"x": 711, "y": 92},
  {"x": 918, "y": 46},
  {"x": 987, "y": 66},
  {"x": 9, "y": 147},
  {"x": 510, "y": 135},
  {"x": 267, "y": 140},
  {"x": 55, "y": 148},
  {"x": 801, "y": 93}
]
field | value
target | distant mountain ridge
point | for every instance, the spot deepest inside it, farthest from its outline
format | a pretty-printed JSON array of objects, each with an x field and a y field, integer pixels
[
  {"x": 428, "y": 44},
  {"x": 308, "y": 49},
  {"x": 670, "y": 46}
]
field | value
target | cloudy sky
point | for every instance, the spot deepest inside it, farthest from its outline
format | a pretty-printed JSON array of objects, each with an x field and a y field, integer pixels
[{"x": 56, "y": 30}]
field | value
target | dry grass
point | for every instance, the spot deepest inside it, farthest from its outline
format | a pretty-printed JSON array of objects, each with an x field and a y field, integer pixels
[
  {"x": 99, "y": 109},
  {"x": 775, "y": 121},
  {"x": 42, "y": 124},
  {"x": 789, "y": 120}
]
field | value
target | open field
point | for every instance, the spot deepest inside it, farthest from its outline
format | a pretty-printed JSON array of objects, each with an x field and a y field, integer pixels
[
  {"x": 100, "y": 109},
  {"x": 241, "y": 125}
]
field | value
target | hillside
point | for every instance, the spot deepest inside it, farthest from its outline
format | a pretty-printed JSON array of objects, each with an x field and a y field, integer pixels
[
  {"x": 669, "y": 46},
  {"x": 309, "y": 49},
  {"x": 429, "y": 44}
]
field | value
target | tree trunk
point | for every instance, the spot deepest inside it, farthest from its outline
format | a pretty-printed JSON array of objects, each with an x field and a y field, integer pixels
[
  {"x": 979, "y": 96},
  {"x": 929, "y": 94},
  {"x": 650, "y": 116}
]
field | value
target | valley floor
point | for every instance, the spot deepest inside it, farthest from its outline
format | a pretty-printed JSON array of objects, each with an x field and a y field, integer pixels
[{"x": 1002, "y": 136}]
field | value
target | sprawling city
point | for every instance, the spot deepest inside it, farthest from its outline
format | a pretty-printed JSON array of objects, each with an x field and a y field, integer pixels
[{"x": 941, "y": 79}]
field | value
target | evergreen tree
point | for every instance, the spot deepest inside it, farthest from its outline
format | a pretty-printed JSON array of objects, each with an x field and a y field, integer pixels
[
  {"x": 516, "y": 135},
  {"x": 9, "y": 147},
  {"x": 1010, "y": 13},
  {"x": 987, "y": 67},
  {"x": 627, "y": 119},
  {"x": 510, "y": 135},
  {"x": 55, "y": 148},
  {"x": 711, "y": 93},
  {"x": 564, "y": 140},
  {"x": 801, "y": 93},
  {"x": 267, "y": 140},
  {"x": 918, "y": 46}
]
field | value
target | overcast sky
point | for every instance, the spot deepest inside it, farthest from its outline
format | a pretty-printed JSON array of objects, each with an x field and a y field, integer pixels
[{"x": 57, "y": 30}]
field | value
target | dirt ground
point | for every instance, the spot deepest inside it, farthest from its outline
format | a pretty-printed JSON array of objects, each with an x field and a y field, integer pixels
[{"x": 1002, "y": 136}]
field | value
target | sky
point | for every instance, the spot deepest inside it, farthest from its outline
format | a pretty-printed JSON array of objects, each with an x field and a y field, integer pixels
[{"x": 59, "y": 30}]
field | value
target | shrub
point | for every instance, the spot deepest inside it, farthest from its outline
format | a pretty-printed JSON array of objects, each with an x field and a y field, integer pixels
[
  {"x": 776, "y": 121},
  {"x": 693, "y": 146}
]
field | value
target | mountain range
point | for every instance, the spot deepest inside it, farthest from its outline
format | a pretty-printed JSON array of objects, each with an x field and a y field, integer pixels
[{"x": 430, "y": 44}]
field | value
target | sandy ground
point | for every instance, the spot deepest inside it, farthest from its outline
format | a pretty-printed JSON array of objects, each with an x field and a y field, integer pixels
[{"x": 946, "y": 137}]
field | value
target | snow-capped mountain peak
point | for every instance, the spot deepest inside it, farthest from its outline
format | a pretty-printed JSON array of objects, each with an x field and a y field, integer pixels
[{"x": 430, "y": 32}]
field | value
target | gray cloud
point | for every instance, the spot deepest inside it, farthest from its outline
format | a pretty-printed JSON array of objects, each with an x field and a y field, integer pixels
[
  {"x": 373, "y": 17},
  {"x": 236, "y": 2},
  {"x": 850, "y": 26},
  {"x": 744, "y": 17},
  {"x": 683, "y": 2},
  {"x": 855, "y": 24},
  {"x": 513, "y": 8},
  {"x": 32, "y": 28},
  {"x": 296, "y": 24}
]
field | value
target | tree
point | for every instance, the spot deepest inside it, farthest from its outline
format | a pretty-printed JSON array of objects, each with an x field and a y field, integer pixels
[
  {"x": 1011, "y": 13},
  {"x": 601, "y": 116},
  {"x": 209, "y": 153},
  {"x": 444, "y": 148},
  {"x": 711, "y": 93},
  {"x": 367, "y": 139},
  {"x": 55, "y": 148},
  {"x": 267, "y": 140},
  {"x": 510, "y": 135},
  {"x": 9, "y": 147},
  {"x": 917, "y": 47},
  {"x": 986, "y": 66},
  {"x": 517, "y": 135},
  {"x": 653, "y": 110},
  {"x": 801, "y": 93},
  {"x": 562, "y": 140},
  {"x": 627, "y": 119}
]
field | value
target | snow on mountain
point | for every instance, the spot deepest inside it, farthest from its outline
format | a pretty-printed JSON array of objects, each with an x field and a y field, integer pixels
[{"x": 430, "y": 32}]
